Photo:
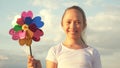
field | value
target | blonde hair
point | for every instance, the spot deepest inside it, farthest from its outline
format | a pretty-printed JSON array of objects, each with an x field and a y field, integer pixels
[{"x": 83, "y": 15}]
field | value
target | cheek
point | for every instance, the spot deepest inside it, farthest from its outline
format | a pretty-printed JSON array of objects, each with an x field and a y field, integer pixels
[
  {"x": 65, "y": 28},
  {"x": 80, "y": 29}
]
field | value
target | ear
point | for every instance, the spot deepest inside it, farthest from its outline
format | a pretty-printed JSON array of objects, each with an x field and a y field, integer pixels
[
  {"x": 62, "y": 24},
  {"x": 84, "y": 25}
]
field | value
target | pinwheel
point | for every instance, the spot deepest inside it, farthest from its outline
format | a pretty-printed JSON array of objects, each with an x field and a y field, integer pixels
[{"x": 27, "y": 29}]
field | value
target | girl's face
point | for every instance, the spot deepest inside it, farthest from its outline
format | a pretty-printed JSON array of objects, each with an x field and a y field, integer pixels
[{"x": 73, "y": 23}]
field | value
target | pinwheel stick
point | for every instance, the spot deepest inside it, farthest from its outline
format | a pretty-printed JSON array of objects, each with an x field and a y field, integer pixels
[{"x": 30, "y": 50}]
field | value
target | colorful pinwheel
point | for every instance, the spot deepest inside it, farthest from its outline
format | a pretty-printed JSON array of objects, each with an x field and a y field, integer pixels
[{"x": 27, "y": 29}]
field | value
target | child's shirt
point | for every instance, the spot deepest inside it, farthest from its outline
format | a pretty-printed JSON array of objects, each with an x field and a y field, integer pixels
[{"x": 65, "y": 57}]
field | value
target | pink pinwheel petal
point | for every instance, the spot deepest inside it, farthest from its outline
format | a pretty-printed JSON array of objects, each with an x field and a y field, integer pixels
[
  {"x": 11, "y": 32},
  {"x": 22, "y": 34},
  {"x": 26, "y": 14},
  {"x": 23, "y": 15},
  {"x": 30, "y": 14},
  {"x": 15, "y": 36}
]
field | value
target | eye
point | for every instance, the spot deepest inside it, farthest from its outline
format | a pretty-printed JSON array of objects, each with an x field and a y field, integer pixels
[
  {"x": 78, "y": 22},
  {"x": 68, "y": 22}
]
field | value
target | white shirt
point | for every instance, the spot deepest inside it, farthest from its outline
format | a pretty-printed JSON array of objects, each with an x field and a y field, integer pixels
[{"x": 71, "y": 58}]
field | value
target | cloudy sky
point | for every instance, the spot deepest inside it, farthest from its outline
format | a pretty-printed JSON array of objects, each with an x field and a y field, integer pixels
[{"x": 102, "y": 31}]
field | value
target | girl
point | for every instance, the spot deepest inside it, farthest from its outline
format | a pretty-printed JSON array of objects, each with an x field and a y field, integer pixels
[{"x": 73, "y": 52}]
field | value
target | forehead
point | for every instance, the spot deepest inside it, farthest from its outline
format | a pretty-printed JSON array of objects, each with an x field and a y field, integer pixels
[{"x": 73, "y": 14}]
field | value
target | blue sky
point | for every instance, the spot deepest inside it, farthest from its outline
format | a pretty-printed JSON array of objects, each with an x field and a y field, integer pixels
[{"x": 102, "y": 32}]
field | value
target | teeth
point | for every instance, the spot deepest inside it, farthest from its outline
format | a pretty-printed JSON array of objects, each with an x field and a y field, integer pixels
[{"x": 73, "y": 31}]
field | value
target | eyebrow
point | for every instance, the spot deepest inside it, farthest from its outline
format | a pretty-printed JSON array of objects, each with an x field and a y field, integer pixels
[{"x": 75, "y": 20}]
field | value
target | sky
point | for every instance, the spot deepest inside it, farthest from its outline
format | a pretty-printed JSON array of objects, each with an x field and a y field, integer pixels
[{"x": 103, "y": 29}]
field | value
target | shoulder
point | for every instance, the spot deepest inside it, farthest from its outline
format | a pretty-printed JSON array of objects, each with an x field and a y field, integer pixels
[
  {"x": 93, "y": 51},
  {"x": 52, "y": 53},
  {"x": 56, "y": 48}
]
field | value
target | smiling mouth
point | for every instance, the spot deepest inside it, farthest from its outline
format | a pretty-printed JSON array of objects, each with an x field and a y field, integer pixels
[{"x": 73, "y": 32}]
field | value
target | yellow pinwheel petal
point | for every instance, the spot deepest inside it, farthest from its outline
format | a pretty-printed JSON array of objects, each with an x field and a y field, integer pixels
[{"x": 25, "y": 27}]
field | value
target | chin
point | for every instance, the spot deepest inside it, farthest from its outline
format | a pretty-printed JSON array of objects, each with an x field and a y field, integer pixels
[{"x": 74, "y": 37}]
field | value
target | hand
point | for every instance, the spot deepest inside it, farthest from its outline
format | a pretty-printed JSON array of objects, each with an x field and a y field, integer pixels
[{"x": 33, "y": 63}]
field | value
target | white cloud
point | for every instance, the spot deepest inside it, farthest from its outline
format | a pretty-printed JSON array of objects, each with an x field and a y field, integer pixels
[
  {"x": 14, "y": 20},
  {"x": 104, "y": 21},
  {"x": 103, "y": 30},
  {"x": 89, "y": 3},
  {"x": 70, "y": 3},
  {"x": 52, "y": 27},
  {"x": 107, "y": 60},
  {"x": 104, "y": 24},
  {"x": 46, "y": 16},
  {"x": 1, "y": 66},
  {"x": 103, "y": 33},
  {"x": 2, "y": 57},
  {"x": 51, "y": 4}
]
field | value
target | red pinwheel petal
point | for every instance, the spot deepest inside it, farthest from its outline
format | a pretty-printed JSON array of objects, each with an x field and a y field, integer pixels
[
  {"x": 38, "y": 33},
  {"x": 41, "y": 32},
  {"x": 20, "y": 21},
  {"x": 33, "y": 27},
  {"x": 36, "y": 39}
]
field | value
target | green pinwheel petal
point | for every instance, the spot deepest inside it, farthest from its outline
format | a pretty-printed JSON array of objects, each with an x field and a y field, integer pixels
[{"x": 17, "y": 27}]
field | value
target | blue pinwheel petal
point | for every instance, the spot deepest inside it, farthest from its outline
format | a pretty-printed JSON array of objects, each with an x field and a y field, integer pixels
[
  {"x": 38, "y": 22},
  {"x": 28, "y": 20}
]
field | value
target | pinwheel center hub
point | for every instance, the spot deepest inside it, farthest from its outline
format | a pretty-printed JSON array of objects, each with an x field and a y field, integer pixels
[{"x": 25, "y": 27}]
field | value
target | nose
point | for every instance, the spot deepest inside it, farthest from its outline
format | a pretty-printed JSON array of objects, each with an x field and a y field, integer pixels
[{"x": 72, "y": 25}]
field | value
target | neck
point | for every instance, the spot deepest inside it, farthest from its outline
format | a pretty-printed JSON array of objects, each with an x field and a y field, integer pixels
[
  {"x": 74, "y": 43},
  {"x": 71, "y": 42}
]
